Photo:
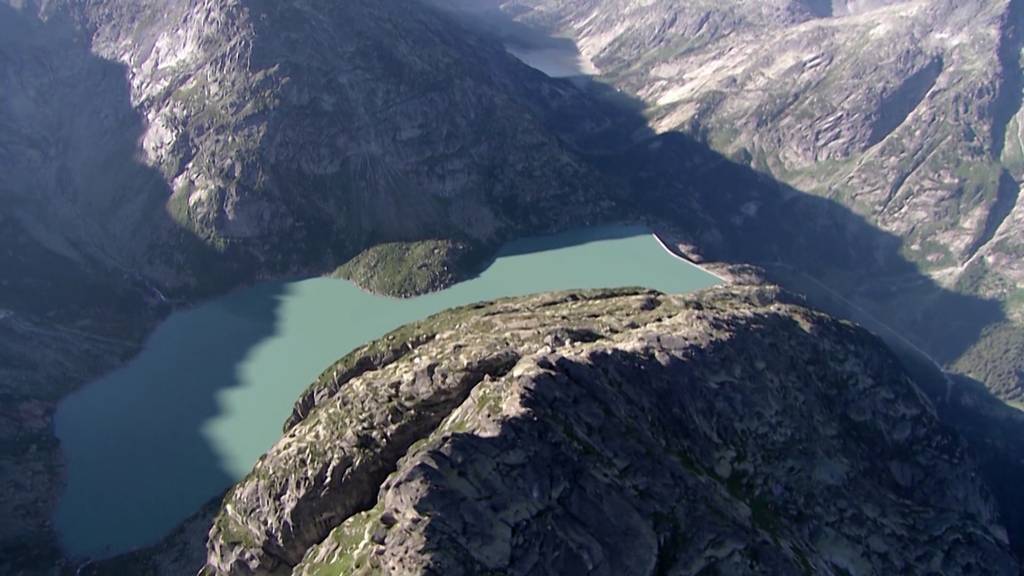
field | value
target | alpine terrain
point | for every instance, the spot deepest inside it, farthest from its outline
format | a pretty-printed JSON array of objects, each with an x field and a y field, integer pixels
[{"x": 864, "y": 155}]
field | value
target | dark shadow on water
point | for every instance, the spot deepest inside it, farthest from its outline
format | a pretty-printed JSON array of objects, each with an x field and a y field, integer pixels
[
  {"x": 123, "y": 484},
  {"x": 479, "y": 259},
  {"x": 569, "y": 239},
  {"x": 89, "y": 135}
]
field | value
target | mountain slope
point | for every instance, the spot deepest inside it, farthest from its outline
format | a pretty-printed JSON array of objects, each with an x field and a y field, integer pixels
[
  {"x": 907, "y": 112},
  {"x": 156, "y": 152},
  {"x": 291, "y": 135},
  {"x": 614, "y": 432}
]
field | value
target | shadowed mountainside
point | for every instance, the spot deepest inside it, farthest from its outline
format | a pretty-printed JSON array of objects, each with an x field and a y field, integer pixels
[
  {"x": 907, "y": 112},
  {"x": 72, "y": 308},
  {"x": 98, "y": 243}
]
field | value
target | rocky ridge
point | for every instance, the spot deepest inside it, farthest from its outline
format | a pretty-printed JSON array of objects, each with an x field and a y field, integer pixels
[{"x": 614, "y": 432}]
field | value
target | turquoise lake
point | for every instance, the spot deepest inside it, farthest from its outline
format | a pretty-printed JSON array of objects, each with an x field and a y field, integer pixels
[{"x": 150, "y": 443}]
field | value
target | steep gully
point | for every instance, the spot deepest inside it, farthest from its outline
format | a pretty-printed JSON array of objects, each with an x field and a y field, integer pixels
[
  {"x": 1011, "y": 91},
  {"x": 897, "y": 106},
  {"x": 1005, "y": 108}
]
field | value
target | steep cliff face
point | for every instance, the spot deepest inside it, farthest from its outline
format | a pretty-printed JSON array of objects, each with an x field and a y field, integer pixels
[{"x": 614, "y": 432}]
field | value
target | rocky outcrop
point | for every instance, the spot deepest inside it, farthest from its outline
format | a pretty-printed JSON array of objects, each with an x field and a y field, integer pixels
[{"x": 615, "y": 432}]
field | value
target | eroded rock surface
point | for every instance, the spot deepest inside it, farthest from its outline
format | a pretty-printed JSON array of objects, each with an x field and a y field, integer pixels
[{"x": 615, "y": 432}]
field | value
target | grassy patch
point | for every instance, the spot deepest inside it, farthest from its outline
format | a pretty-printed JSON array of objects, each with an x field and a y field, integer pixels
[
  {"x": 997, "y": 359},
  {"x": 232, "y": 533},
  {"x": 178, "y": 207},
  {"x": 410, "y": 268},
  {"x": 348, "y": 548},
  {"x": 1016, "y": 299}
]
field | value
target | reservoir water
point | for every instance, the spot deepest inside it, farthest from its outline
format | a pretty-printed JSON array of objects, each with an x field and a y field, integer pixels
[
  {"x": 556, "y": 56},
  {"x": 557, "y": 59},
  {"x": 148, "y": 444}
]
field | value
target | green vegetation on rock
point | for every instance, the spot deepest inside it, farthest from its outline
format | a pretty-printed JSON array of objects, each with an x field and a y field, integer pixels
[
  {"x": 998, "y": 360},
  {"x": 412, "y": 268}
]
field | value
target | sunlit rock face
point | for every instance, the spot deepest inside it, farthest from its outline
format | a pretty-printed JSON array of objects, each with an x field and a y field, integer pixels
[{"x": 614, "y": 432}]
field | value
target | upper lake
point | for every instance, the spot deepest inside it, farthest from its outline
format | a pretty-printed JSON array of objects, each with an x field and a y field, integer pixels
[
  {"x": 557, "y": 60},
  {"x": 150, "y": 443}
]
